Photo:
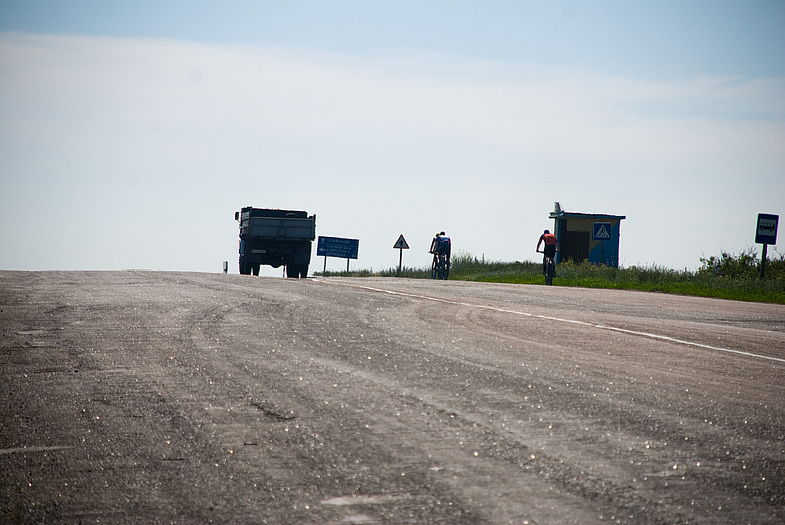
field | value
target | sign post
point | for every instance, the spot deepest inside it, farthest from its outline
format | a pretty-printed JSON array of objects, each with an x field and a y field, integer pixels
[
  {"x": 765, "y": 234},
  {"x": 337, "y": 247},
  {"x": 601, "y": 232},
  {"x": 401, "y": 245}
]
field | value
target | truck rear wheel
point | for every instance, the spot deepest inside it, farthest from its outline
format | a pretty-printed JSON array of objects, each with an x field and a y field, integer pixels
[{"x": 295, "y": 271}]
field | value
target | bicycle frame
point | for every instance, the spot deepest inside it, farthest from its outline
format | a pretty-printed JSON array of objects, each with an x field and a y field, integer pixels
[
  {"x": 549, "y": 267},
  {"x": 440, "y": 268}
]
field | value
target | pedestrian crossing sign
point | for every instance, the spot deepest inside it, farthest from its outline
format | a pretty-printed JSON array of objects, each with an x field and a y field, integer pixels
[{"x": 602, "y": 231}]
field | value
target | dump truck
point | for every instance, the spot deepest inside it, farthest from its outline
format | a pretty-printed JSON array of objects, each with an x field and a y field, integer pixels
[{"x": 275, "y": 238}]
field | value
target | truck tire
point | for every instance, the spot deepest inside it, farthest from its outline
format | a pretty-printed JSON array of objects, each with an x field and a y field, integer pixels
[
  {"x": 255, "y": 269},
  {"x": 292, "y": 271},
  {"x": 296, "y": 271},
  {"x": 245, "y": 268}
]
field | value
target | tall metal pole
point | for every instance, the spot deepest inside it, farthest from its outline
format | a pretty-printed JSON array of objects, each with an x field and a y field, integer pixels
[
  {"x": 400, "y": 260},
  {"x": 763, "y": 263}
]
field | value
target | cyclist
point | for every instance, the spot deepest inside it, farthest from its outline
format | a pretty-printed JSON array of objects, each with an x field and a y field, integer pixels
[
  {"x": 441, "y": 246},
  {"x": 551, "y": 247},
  {"x": 434, "y": 243}
]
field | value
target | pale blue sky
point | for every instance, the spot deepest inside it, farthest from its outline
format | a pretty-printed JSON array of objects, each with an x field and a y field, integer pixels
[
  {"x": 672, "y": 37},
  {"x": 130, "y": 132}
]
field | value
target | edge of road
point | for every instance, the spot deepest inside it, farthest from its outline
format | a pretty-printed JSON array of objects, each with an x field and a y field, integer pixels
[{"x": 551, "y": 318}]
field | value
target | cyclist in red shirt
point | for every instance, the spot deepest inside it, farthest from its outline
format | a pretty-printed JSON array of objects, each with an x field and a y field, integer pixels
[{"x": 551, "y": 247}]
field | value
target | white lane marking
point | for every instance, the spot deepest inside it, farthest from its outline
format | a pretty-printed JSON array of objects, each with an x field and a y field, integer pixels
[
  {"x": 559, "y": 319},
  {"x": 31, "y": 449}
]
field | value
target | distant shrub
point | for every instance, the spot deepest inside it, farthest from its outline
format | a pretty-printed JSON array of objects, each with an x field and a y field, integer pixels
[
  {"x": 746, "y": 265},
  {"x": 743, "y": 266}
]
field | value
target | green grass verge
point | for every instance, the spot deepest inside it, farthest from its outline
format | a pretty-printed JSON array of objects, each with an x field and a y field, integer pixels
[{"x": 706, "y": 282}]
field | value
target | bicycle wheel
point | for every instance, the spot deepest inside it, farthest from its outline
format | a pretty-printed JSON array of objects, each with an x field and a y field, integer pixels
[
  {"x": 439, "y": 268},
  {"x": 550, "y": 272},
  {"x": 434, "y": 268}
]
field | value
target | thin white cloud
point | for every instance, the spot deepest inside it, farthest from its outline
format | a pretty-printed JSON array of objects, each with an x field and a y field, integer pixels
[{"x": 79, "y": 110}]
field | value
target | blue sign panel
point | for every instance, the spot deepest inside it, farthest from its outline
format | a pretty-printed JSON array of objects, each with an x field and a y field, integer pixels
[
  {"x": 601, "y": 231},
  {"x": 338, "y": 247},
  {"x": 766, "y": 232}
]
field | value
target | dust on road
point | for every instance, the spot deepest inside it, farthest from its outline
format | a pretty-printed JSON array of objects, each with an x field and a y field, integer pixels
[{"x": 181, "y": 397}]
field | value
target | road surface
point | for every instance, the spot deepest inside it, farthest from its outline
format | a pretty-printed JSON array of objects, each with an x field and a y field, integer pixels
[{"x": 156, "y": 397}]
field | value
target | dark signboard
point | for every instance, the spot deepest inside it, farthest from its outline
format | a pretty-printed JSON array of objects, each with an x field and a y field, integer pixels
[{"x": 766, "y": 232}]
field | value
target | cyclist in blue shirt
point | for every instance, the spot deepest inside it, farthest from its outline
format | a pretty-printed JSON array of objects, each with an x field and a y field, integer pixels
[
  {"x": 441, "y": 244},
  {"x": 440, "y": 248}
]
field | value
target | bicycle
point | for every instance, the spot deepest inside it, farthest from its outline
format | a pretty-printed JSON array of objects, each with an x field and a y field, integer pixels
[
  {"x": 550, "y": 269},
  {"x": 440, "y": 268}
]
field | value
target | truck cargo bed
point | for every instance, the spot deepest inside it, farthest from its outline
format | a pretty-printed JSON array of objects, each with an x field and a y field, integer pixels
[{"x": 285, "y": 227}]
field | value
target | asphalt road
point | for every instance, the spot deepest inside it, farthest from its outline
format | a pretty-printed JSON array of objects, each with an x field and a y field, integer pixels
[{"x": 153, "y": 397}]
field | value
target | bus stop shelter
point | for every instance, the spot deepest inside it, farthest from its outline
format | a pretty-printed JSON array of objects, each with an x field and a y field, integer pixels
[{"x": 587, "y": 236}]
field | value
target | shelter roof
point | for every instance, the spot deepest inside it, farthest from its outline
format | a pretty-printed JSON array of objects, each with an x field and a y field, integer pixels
[{"x": 566, "y": 215}]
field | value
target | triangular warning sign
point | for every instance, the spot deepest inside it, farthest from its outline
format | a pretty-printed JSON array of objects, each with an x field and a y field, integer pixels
[
  {"x": 602, "y": 233},
  {"x": 401, "y": 243}
]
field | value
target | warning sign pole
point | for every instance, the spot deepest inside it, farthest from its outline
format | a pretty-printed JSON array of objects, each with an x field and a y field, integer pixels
[{"x": 401, "y": 245}]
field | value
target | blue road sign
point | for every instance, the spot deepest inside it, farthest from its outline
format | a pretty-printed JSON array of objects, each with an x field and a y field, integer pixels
[
  {"x": 601, "y": 231},
  {"x": 766, "y": 232},
  {"x": 338, "y": 247}
]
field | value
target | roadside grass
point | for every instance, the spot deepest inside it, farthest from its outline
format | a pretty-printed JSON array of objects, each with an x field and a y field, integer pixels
[{"x": 725, "y": 277}]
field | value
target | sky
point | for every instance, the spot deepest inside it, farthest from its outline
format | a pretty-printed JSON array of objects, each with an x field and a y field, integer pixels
[{"x": 130, "y": 132}]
